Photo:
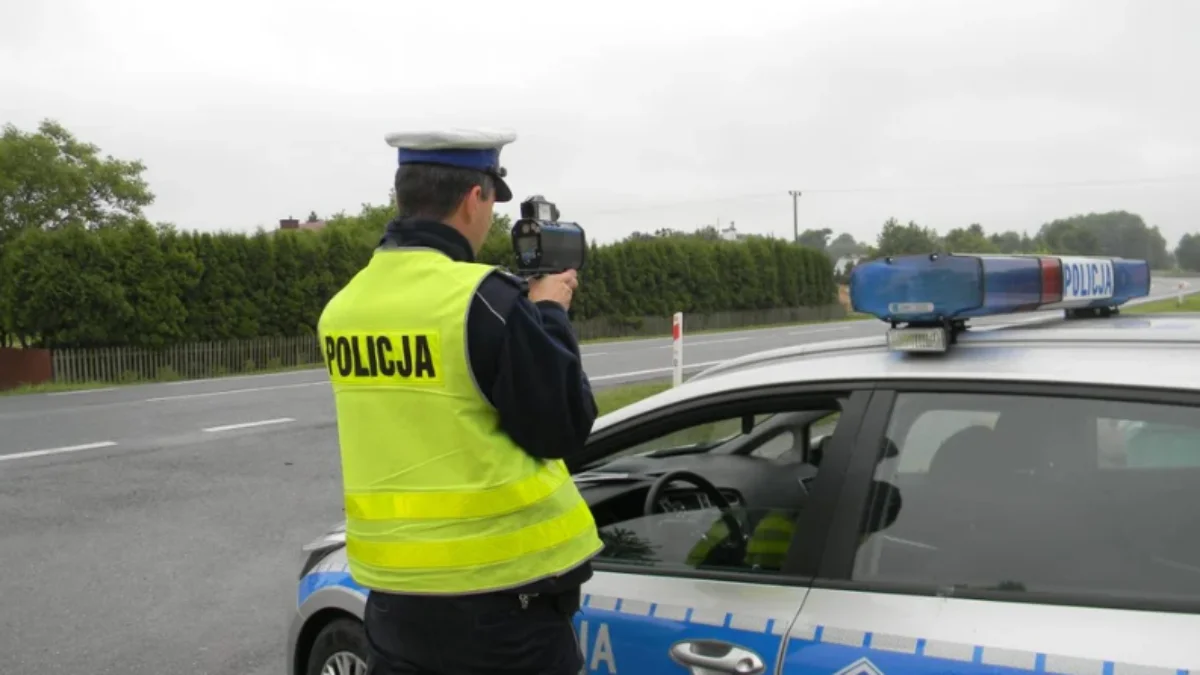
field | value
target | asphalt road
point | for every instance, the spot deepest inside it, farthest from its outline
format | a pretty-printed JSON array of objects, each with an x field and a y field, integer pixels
[{"x": 156, "y": 529}]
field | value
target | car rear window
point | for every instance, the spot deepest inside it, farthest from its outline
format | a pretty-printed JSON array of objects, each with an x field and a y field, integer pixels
[{"x": 1040, "y": 494}]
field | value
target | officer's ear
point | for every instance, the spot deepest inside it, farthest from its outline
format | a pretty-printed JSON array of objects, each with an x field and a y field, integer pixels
[
  {"x": 481, "y": 194},
  {"x": 474, "y": 201}
]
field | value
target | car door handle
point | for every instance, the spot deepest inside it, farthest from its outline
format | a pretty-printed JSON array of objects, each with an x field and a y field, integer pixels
[{"x": 713, "y": 657}]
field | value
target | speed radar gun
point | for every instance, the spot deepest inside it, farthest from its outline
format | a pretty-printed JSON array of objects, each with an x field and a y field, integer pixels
[
  {"x": 543, "y": 244},
  {"x": 928, "y": 299}
]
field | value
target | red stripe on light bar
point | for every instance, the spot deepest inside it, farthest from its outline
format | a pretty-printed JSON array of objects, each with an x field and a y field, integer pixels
[{"x": 1051, "y": 280}]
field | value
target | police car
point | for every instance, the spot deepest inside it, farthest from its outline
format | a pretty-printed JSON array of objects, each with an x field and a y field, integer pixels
[{"x": 940, "y": 499}]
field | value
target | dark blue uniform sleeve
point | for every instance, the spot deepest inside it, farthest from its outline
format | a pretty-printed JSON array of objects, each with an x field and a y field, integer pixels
[{"x": 526, "y": 360}]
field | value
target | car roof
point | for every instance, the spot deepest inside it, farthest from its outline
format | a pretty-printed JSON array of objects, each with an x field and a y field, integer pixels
[{"x": 1156, "y": 351}]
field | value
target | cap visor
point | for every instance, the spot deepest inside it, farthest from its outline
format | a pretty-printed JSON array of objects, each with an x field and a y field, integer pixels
[{"x": 503, "y": 194}]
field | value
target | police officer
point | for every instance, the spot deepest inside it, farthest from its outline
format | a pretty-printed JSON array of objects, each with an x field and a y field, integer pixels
[{"x": 459, "y": 390}]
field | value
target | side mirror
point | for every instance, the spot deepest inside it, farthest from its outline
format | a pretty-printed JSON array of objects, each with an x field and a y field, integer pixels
[{"x": 816, "y": 451}]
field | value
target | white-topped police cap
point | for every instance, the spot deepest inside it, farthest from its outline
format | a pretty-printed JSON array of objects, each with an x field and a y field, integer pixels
[{"x": 477, "y": 149}]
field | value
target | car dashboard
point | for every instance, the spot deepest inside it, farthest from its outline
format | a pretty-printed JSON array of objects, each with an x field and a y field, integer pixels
[{"x": 616, "y": 491}]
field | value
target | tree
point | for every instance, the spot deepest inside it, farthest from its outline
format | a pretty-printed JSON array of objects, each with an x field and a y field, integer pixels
[
  {"x": 897, "y": 239},
  {"x": 1187, "y": 254},
  {"x": 1115, "y": 233},
  {"x": 368, "y": 226},
  {"x": 497, "y": 249},
  {"x": 970, "y": 239},
  {"x": 51, "y": 180},
  {"x": 312, "y": 217},
  {"x": 845, "y": 246},
  {"x": 1013, "y": 242},
  {"x": 818, "y": 239}
]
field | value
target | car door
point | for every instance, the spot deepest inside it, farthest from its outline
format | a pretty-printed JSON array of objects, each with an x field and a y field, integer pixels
[
  {"x": 665, "y": 597},
  {"x": 1031, "y": 528}
]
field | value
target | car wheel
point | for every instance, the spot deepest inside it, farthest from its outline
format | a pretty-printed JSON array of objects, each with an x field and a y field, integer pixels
[{"x": 339, "y": 649}]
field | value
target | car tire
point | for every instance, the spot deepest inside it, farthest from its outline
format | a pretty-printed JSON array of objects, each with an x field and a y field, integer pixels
[{"x": 339, "y": 649}]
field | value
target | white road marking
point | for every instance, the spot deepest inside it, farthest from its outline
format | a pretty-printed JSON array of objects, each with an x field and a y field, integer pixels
[
  {"x": 593, "y": 353},
  {"x": 57, "y": 451},
  {"x": 820, "y": 330},
  {"x": 81, "y": 391},
  {"x": 651, "y": 371},
  {"x": 248, "y": 425},
  {"x": 227, "y": 392}
]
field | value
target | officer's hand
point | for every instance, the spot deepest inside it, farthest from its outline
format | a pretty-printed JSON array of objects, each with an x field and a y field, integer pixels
[{"x": 555, "y": 288}]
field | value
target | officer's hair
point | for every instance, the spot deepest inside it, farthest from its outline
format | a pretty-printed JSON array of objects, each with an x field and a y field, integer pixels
[{"x": 433, "y": 191}]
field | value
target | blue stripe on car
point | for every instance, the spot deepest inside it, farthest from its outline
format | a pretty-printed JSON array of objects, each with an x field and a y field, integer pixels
[{"x": 810, "y": 649}]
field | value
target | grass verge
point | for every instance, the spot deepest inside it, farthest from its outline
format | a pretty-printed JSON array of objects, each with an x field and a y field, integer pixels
[
  {"x": 1191, "y": 303},
  {"x": 55, "y": 387},
  {"x": 612, "y": 398}
]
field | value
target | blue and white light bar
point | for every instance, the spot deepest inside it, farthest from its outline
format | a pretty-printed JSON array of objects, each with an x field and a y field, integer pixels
[{"x": 944, "y": 289}]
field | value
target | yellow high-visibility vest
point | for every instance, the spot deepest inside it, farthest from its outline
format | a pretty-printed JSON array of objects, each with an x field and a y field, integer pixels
[
  {"x": 767, "y": 546},
  {"x": 439, "y": 500}
]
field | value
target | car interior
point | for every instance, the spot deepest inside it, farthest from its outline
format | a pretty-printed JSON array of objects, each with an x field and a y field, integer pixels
[
  {"x": 1057, "y": 495},
  {"x": 694, "y": 496},
  {"x": 999, "y": 492}
]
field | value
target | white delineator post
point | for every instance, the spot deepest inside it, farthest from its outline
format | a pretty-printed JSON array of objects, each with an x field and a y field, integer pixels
[
  {"x": 1179, "y": 298},
  {"x": 677, "y": 348}
]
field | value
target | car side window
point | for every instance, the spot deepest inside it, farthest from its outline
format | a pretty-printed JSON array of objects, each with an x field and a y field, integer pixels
[
  {"x": 762, "y": 475},
  {"x": 1131, "y": 444},
  {"x": 1033, "y": 493}
]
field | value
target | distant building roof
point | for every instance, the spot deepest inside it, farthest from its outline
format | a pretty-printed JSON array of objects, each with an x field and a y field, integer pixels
[
  {"x": 294, "y": 224},
  {"x": 731, "y": 234}
]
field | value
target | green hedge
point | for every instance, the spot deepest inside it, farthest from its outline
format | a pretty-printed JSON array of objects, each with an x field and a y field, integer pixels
[{"x": 137, "y": 285}]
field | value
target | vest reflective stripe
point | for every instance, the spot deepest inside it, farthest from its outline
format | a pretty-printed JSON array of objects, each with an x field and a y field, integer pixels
[
  {"x": 768, "y": 546},
  {"x": 438, "y": 498},
  {"x": 458, "y": 504},
  {"x": 485, "y": 550}
]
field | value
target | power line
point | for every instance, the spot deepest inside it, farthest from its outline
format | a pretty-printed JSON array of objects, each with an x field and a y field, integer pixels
[{"x": 909, "y": 188}]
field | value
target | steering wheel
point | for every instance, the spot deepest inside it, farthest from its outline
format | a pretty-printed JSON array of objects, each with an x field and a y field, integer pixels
[{"x": 650, "y": 507}]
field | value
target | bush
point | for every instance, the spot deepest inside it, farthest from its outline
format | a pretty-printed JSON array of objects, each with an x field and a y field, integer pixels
[{"x": 144, "y": 286}]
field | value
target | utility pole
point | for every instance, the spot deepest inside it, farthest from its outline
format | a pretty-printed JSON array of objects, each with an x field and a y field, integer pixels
[{"x": 795, "y": 215}]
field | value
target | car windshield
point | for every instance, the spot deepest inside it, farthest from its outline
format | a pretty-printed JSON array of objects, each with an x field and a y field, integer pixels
[{"x": 700, "y": 438}]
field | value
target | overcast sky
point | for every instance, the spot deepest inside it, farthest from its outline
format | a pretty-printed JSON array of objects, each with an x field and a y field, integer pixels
[{"x": 637, "y": 115}]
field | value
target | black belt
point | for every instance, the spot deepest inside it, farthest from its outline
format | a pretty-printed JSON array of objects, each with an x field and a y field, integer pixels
[{"x": 566, "y": 602}]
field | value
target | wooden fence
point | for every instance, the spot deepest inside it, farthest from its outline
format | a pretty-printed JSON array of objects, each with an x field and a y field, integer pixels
[{"x": 215, "y": 359}]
